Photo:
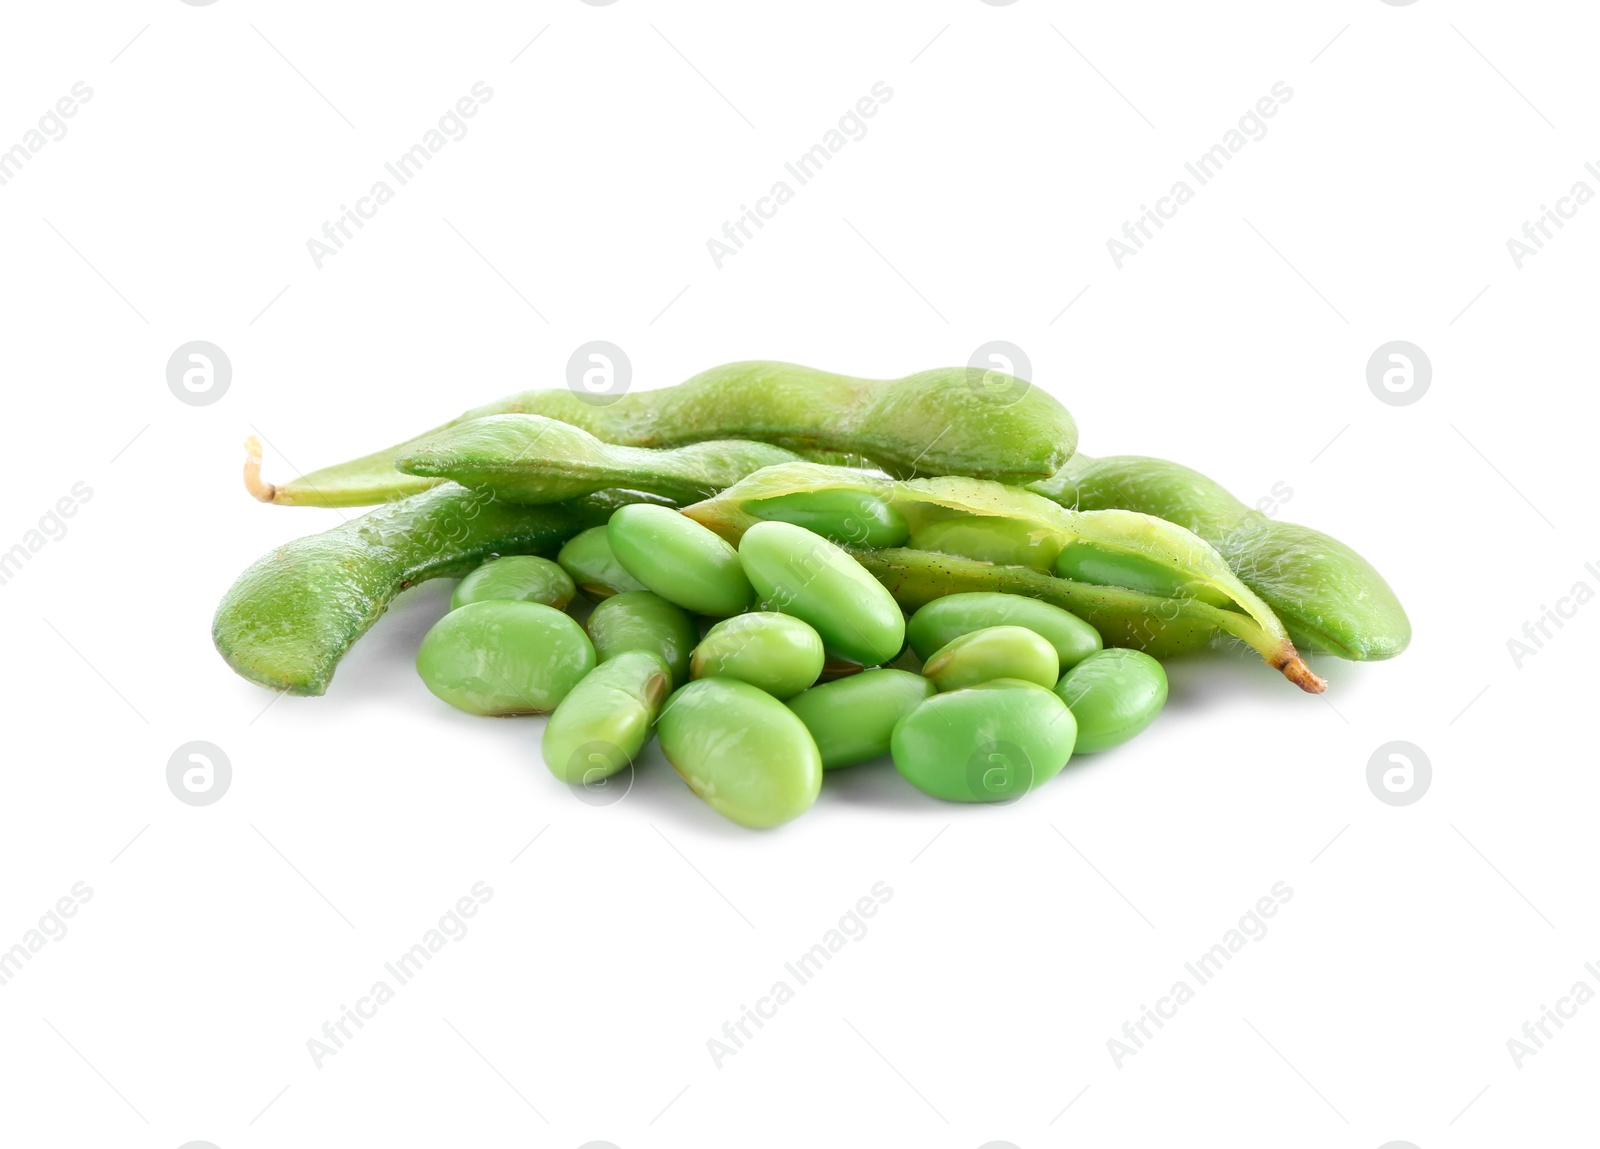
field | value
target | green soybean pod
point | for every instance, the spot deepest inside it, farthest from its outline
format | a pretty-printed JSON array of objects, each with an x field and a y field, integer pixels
[
  {"x": 801, "y": 573},
  {"x": 682, "y": 561},
  {"x": 642, "y": 620},
  {"x": 851, "y": 719},
  {"x": 949, "y": 617},
  {"x": 588, "y": 559},
  {"x": 501, "y": 656},
  {"x": 743, "y": 751},
  {"x": 988, "y": 743},
  {"x": 991, "y": 538},
  {"x": 771, "y": 651},
  {"x": 850, "y": 518},
  {"x": 524, "y": 577},
  {"x": 603, "y": 723},
  {"x": 1114, "y": 695},
  {"x": 990, "y": 653}
]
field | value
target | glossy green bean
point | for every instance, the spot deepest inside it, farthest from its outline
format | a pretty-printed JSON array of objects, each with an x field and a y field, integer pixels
[
  {"x": 525, "y": 577},
  {"x": 937, "y": 622},
  {"x": 1114, "y": 695},
  {"x": 993, "y": 652},
  {"x": 741, "y": 750},
  {"x": 773, "y": 652},
  {"x": 802, "y": 574},
  {"x": 988, "y": 743},
  {"x": 642, "y": 620},
  {"x": 1329, "y": 597},
  {"x": 604, "y": 721},
  {"x": 680, "y": 560},
  {"x": 588, "y": 558},
  {"x": 503, "y": 656},
  {"x": 851, "y": 719},
  {"x": 948, "y": 421}
]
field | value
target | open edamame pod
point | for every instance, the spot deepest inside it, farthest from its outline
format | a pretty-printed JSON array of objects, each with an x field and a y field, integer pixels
[
  {"x": 1135, "y": 552},
  {"x": 948, "y": 421},
  {"x": 291, "y": 616},
  {"x": 1328, "y": 596},
  {"x": 532, "y": 459}
]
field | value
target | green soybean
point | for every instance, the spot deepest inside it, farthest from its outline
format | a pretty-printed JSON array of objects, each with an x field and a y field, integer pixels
[
  {"x": 1328, "y": 596},
  {"x": 641, "y": 620},
  {"x": 991, "y": 538},
  {"x": 948, "y": 421},
  {"x": 851, "y": 719},
  {"x": 741, "y": 750},
  {"x": 524, "y": 577},
  {"x": 987, "y": 743},
  {"x": 850, "y": 518},
  {"x": 291, "y": 616},
  {"x": 801, "y": 573},
  {"x": 532, "y": 459},
  {"x": 588, "y": 559},
  {"x": 1113, "y": 695},
  {"x": 680, "y": 560},
  {"x": 771, "y": 651},
  {"x": 605, "y": 720},
  {"x": 501, "y": 656},
  {"x": 949, "y": 617},
  {"x": 990, "y": 653}
]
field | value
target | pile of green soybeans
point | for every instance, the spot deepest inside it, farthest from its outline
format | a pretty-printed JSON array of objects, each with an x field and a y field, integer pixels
[{"x": 782, "y": 572}]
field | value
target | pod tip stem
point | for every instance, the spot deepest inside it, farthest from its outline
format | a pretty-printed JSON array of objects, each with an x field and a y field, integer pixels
[
  {"x": 252, "y": 472},
  {"x": 1297, "y": 672}
]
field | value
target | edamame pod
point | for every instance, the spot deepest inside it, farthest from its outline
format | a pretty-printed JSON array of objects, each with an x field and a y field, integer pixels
[
  {"x": 1136, "y": 541},
  {"x": 525, "y": 577},
  {"x": 641, "y": 620},
  {"x": 532, "y": 459},
  {"x": 605, "y": 720},
  {"x": 680, "y": 560},
  {"x": 289, "y": 618},
  {"x": 1113, "y": 695},
  {"x": 501, "y": 656},
  {"x": 987, "y": 743},
  {"x": 803, "y": 574},
  {"x": 945, "y": 618},
  {"x": 949, "y": 421},
  {"x": 851, "y": 719},
  {"x": 990, "y": 653},
  {"x": 588, "y": 559},
  {"x": 1328, "y": 596},
  {"x": 771, "y": 651},
  {"x": 741, "y": 750}
]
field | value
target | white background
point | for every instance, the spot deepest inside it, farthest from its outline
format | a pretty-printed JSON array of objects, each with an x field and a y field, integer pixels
[{"x": 1018, "y": 940}]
